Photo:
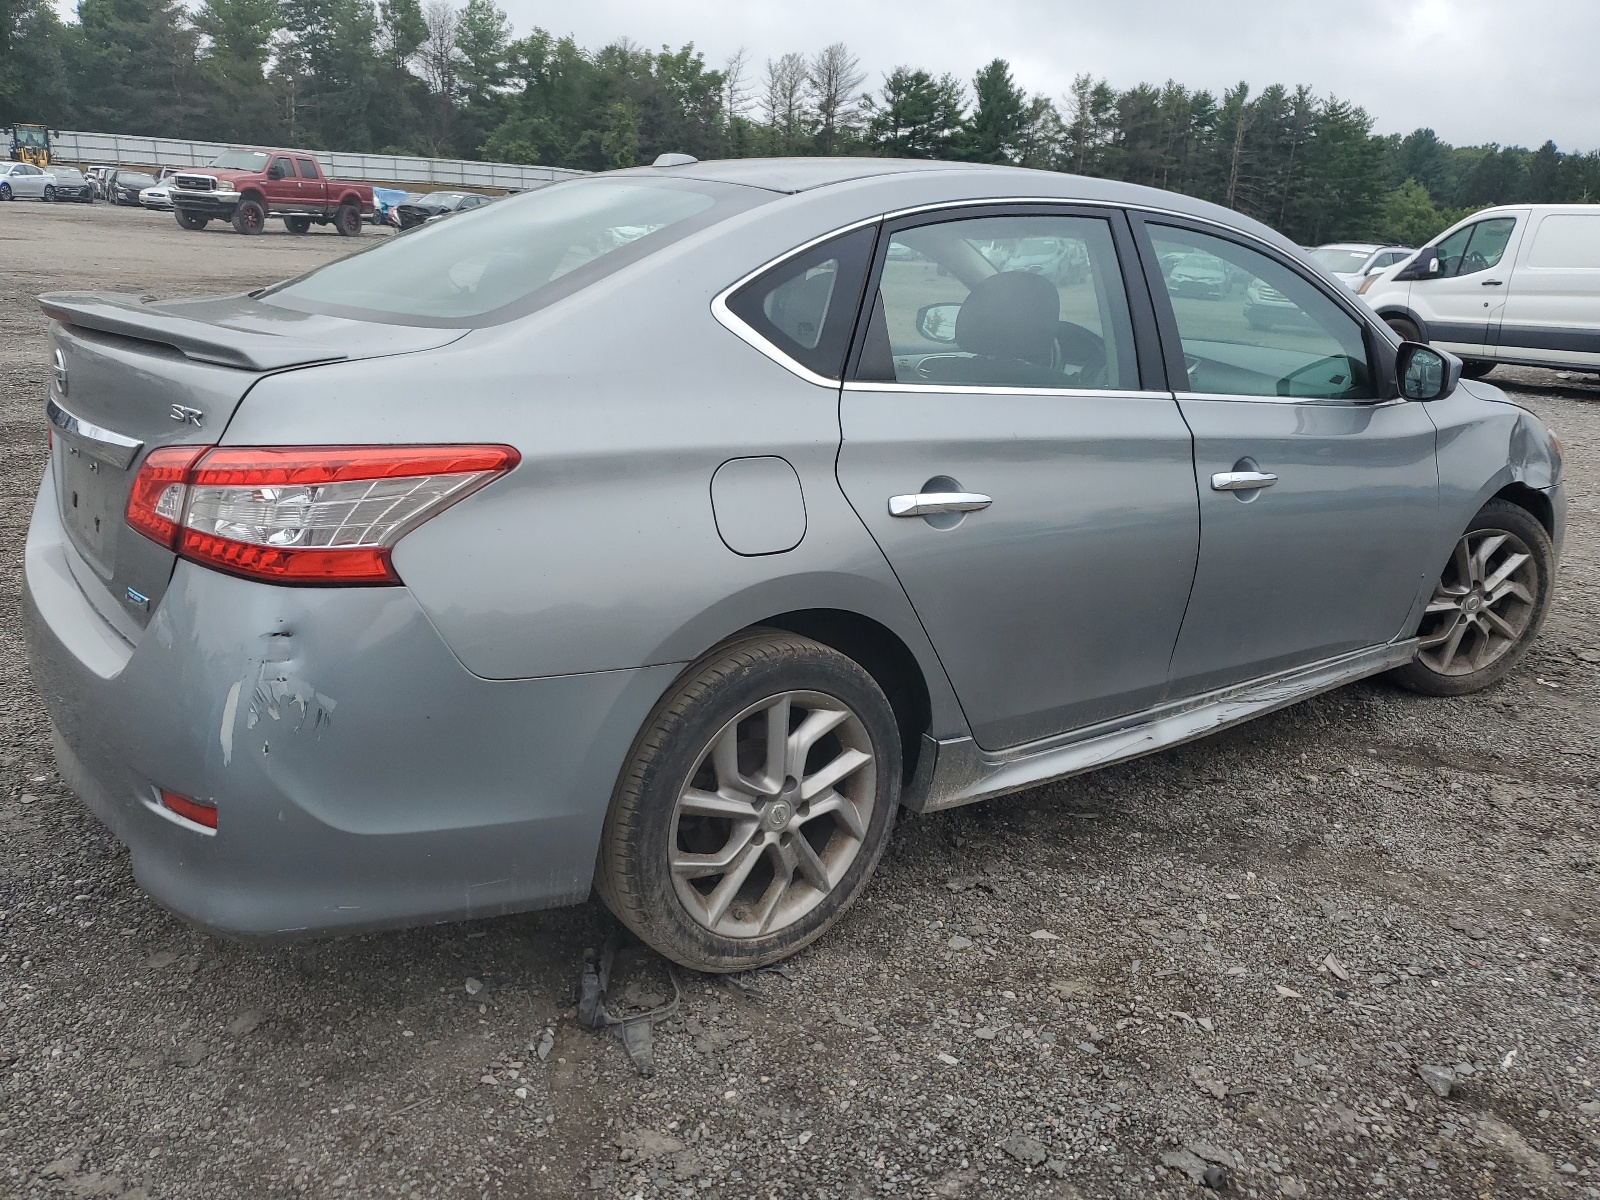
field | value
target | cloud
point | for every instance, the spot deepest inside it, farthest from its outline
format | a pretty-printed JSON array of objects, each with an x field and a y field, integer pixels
[{"x": 1475, "y": 70}]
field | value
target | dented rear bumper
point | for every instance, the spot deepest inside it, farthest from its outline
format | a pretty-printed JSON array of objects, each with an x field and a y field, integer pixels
[{"x": 363, "y": 777}]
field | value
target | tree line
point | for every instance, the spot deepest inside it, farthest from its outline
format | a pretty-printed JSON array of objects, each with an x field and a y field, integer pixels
[{"x": 393, "y": 76}]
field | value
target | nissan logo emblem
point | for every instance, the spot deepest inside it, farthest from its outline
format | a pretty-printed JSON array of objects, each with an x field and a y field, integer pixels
[{"x": 61, "y": 373}]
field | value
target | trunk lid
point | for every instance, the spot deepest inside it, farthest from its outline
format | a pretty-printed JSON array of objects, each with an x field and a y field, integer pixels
[{"x": 129, "y": 376}]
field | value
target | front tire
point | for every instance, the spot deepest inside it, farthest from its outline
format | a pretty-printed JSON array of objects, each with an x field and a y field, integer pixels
[
  {"x": 348, "y": 220},
  {"x": 1476, "y": 368},
  {"x": 249, "y": 217},
  {"x": 755, "y": 806},
  {"x": 1407, "y": 330},
  {"x": 1489, "y": 604},
  {"x": 5, "y": 191}
]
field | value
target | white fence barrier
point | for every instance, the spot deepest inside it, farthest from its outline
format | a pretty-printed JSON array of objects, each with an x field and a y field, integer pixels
[{"x": 119, "y": 149}]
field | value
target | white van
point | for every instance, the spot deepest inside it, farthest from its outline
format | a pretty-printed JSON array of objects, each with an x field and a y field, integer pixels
[{"x": 1514, "y": 284}]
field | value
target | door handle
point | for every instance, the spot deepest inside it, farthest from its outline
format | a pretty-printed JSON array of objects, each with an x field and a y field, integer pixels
[
  {"x": 928, "y": 504},
  {"x": 1493, "y": 283},
  {"x": 1242, "y": 481}
]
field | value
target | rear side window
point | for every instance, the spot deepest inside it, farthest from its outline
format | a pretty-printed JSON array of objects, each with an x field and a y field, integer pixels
[
  {"x": 806, "y": 305},
  {"x": 308, "y": 168},
  {"x": 519, "y": 254},
  {"x": 1564, "y": 240}
]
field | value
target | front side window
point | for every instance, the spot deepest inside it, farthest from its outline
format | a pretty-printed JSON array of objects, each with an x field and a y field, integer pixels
[
  {"x": 1009, "y": 301},
  {"x": 280, "y": 169},
  {"x": 524, "y": 252},
  {"x": 308, "y": 168},
  {"x": 1269, "y": 331},
  {"x": 806, "y": 305},
  {"x": 1475, "y": 248}
]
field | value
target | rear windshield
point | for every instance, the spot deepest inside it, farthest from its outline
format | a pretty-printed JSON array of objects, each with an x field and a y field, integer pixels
[
  {"x": 502, "y": 260},
  {"x": 1337, "y": 259}
]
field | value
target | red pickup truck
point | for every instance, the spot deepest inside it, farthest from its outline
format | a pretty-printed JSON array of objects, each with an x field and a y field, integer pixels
[{"x": 248, "y": 186}]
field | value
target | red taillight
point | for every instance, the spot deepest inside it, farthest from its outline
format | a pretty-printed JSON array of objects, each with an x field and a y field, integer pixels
[
  {"x": 190, "y": 810},
  {"x": 302, "y": 514}
]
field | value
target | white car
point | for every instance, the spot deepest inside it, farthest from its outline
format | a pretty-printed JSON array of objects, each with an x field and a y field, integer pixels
[
  {"x": 158, "y": 197},
  {"x": 1514, "y": 284},
  {"x": 1351, "y": 262},
  {"x": 20, "y": 180}
]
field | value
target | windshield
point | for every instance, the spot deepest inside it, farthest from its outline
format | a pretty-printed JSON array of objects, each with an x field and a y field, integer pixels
[
  {"x": 134, "y": 179},
  {"x": 67, "y": 174},
  {"x": 1339, "y": 259},
  {"x": 240, "y": 160},
  {"x": 502, "y": 260},
  {"x": 442, "y": 199}
]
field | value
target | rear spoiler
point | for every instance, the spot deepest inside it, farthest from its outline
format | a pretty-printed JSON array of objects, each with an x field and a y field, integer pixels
[{"x": 131, "y": 317}]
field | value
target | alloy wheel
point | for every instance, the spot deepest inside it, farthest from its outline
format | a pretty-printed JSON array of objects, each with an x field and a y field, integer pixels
[
  {"x": 774, "y": 813},
  {"x": 1483, "y": 604}
]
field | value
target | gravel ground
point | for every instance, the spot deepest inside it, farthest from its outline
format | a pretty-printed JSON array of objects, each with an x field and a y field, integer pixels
[{"x": 1346, "y": 950}]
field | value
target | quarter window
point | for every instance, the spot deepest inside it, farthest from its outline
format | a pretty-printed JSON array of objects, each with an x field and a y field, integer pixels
[
  {"x": 1476, "y": 248},
  {"x": 806, "y": 305},
  {"x": 1251, "y": 326},
  {"x": 1012, "y": 301}
]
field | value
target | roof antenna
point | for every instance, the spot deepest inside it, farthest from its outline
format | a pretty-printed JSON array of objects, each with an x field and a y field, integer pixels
[{"x": 674, "y": 160}]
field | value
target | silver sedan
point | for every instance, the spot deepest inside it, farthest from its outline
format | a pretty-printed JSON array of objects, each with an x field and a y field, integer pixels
[{"x": 665, "y": 532}]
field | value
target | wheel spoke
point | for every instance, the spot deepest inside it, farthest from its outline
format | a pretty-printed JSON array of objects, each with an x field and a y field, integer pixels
[
  {"x": 1442, "y": 604},
  {"x": 1485, "y": 551},
  {"x": 783, "y": 867},
  {"x": 722, "y": 895},
  {"x": 1499, "y": 624},
  {"x": 1504, "y": 571},
  {"x": 1461, "y": 559},
  {"x": 818, "y": 722},
  {"x": 1443, "y": 634},
  {"x": 1510, "y": 588},
  {"x": 847, "y": 814},
  {"x": 1452, "y": 644},
  {"x": 810, "y": 865},
  {"x": 778, "y": 743},
  {"x": 725, "y": 761},
  {"x": 847, "y": 763},
  {"x": 713, "y": 804},
  {"x": 698, "y": 866}
]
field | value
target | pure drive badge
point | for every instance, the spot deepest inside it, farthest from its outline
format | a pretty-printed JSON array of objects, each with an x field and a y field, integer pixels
[{"x": 189, "y": 416}]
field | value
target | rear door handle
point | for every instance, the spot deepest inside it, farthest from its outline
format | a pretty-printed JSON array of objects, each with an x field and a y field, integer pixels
[
  {"x": 928, "y": 504},
  {"x": 1494, "y": 283},
  {"x": 1241, "y": 481}
]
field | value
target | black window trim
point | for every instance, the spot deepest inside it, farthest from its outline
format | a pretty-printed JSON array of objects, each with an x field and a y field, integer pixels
[
  {"x": 753, "y": 337},
  {"x": 1146, "y": 344},
  {"x": 1382, "y": 343}
]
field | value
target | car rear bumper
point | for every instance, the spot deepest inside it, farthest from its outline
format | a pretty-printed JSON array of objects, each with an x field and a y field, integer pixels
[{"x": 363, "y": 778}]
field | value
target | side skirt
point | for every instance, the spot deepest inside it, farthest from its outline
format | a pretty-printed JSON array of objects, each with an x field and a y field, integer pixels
[{"x": 964, "y": 773}]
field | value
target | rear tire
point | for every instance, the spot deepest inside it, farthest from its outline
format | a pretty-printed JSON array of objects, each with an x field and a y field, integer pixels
[
  {"x": 348, "y": 220},
  {"x": 1407, "y": 330},
  {"x": 1488, "y": 605},
  {"x": 190, "y": 220},
  {"x": 49, "y": 194},
  {"x": 725, "y": 857},
  {"x": 250, "y": 217},
  {"x": 1476, "y": 368},
  {"x": 297, "y": 224}
]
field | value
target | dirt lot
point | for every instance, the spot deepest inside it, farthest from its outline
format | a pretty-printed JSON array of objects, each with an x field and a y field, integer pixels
[{"x": 1244, "y": 957}]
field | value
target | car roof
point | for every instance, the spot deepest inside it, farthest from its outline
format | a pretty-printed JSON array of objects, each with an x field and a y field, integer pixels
[{"x": 804, "y": 174}]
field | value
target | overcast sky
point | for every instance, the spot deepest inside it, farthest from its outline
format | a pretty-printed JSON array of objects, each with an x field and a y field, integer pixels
[{"x": 1507, "y": 71}]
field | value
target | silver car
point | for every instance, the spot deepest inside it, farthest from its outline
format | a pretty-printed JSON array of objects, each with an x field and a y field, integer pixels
[{"x": 664, "y": 532}]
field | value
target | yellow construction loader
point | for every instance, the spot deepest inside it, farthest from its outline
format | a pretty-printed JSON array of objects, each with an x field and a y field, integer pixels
[{"x": 30, "y": 144}]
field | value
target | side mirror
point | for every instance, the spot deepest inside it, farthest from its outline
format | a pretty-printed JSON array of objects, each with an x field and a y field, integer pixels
[
  {"x": 1424, "y": 265},
  {"x": 276, "y": 171},
  {"x": 1425, "y": 373},
  {"x": 937, "y": 322}
]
